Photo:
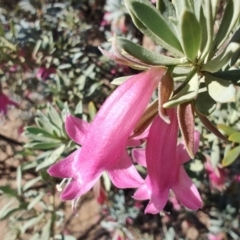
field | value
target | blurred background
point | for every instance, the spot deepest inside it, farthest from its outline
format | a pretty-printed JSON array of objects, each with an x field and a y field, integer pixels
[{"x": 50, "y": 66}]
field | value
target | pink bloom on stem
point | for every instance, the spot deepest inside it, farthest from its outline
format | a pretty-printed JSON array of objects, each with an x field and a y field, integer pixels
[
  {"x": 43, "y": 73},
  {"x": 164, "y": 161},
  {"x": 105, "y": 139},
  {"x": 5, "y": 102},
  {"x": 216, "y": 175}
]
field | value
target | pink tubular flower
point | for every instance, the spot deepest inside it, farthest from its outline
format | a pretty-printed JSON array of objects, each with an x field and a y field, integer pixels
[
  {"x": 216, "y": 175},
  {"x": 164, "y": 161},
  {"x": 105, "y": 139},
  {"x": 5, "y": 102}
]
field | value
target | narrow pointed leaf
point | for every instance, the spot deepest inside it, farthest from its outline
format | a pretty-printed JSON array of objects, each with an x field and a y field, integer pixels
[
  {"x": 186, "y": 94},
  {"x": 222, "y": 59},
  {"x": 205, "y": 121},
  {"x": 220, "y": 90},
  {"x": 186, "y": 124},
  {"x": 120, "y": 80},
  {"x": 190, "y": 35},
  {"x": 150, "y": 19},
  {"x": 231, "y": 156},
  {"x": 207, "y": 11},
  {"x": 165, "y": 88},
  {"x": 148, "y": 56},
  {"x": 230, "y": 17}
]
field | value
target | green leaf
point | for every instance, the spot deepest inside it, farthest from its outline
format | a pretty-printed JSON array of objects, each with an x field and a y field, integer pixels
[
  {"x": 151, "y": 23},
  {"x": 92, "y": 110},
  {"x": 31, "y": 182},
  {"x": 186, "y": 94},
  {"x": 55, "y": 155},
  {"x": 231, "y": 156},
  {"x": 220, "y": 90},
  {"x": 36, "y": 200},
  {"x": 231, "y": 75},
  {"x": 229, "y": 19},
  {"x": 235, "y": 137},
  {"x": 148, "y": 56},
  {"x": 120, "y": 80},
  {"x": 37, "y": 131},
  {"x": 222, "y": 59},
  {"x": 190, "y": 34},
  {"x": 42, "y": 145},
  {"x": 226, "y": 129},
  {"x": 207, "y": 33},
  {"x": 19, "y": 180},
  {"x": 46, "y": 230},
  {"x": 8, "y": 191},
  {"x": 32, "y": 222},
  {"x": 204, "y": 104},
  {"x": 180, "y": 7},
  {"x": 54, "y": 116}
]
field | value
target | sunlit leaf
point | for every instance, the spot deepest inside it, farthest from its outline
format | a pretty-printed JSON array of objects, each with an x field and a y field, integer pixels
[
  {"x": 152, "y": 24},
  {"x": 231, "y": 156},
  {"x": 235, "y": 137},
  {"x": 220, "y": 90},
  {"x": 191, "y": 35}
]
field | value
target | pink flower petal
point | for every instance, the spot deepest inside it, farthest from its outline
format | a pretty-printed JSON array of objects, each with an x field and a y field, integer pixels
[
  {"x": 76, "y": 128},
  {"x": 139, "y": 156},
  {"x": 124, "y": 175},
  {"x": 144, "y": 191},
  {"x": 157, "y": 202},
  {"x": 76, "y": 188},
  {"x": 63, "y": 168},
  {"x": 186, "y": 192}
]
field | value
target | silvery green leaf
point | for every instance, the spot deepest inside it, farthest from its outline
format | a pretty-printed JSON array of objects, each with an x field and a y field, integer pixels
[
  {"x": 220, "y": 90},
  {"x": 222, "y": 59},
  {"x": 35, "y": 200},
  {"x": 229, "y": 19},
  {"x": 235, "y": 38},
  {"x": 184, "y": 95},
  {"x": 207, "y": 37},
  {"x": 190, "y": 35},
  {"x": 54, "y": 116},
  {"x": 181, "y": 6},
  {"x": 33, "y": 221},
  {"x": 30, "y": 183},
  {"x": 120, "y": 80},
  {"x": 46, "y": 230},
  {"x": 148, "y": 56},
  {"x": 52, "y": 158},
  {"x": 151, "y": 23}
]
